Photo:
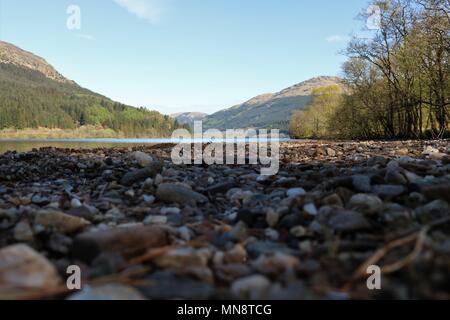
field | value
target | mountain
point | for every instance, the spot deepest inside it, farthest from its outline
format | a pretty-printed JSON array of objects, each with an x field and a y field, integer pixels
[
  {"x": 10, "y": 54},
  {"x": 33, "y": 94},
  {"x": 188, "y": 118},
  {"x": 269, "y": 111}
]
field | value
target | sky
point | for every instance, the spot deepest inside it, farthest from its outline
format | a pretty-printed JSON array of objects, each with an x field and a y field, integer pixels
[{"x": 184, "y": 55}]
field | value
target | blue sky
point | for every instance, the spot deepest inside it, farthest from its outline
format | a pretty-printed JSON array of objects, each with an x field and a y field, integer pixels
[{"x": 185, "y": 55}]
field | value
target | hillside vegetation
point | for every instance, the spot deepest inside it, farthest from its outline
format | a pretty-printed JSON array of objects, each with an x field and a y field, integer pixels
[
  {"x": 269, "y": 111},
  {"x": 397, "y": 82},
  {"x": 33, "y": 99}
]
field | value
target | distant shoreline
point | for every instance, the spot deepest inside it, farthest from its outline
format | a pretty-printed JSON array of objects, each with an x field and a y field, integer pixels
[{"x": 84, "y": 132}]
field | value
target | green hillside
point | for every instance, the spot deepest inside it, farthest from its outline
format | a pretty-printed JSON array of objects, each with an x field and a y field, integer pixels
[{"x": 30, "y": 99}]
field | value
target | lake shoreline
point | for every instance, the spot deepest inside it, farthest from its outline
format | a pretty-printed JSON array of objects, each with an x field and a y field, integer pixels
[{"x": 224, "y": 231}]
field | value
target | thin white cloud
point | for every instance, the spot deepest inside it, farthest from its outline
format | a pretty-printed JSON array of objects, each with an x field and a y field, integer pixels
[
  {"x": 149, "y": 10},
  {"x": 337, "y": 38}
]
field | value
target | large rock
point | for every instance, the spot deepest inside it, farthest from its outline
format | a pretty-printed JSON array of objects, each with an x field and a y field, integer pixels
[
  {"x": 60, "y": 222},
  {"x": 173, "y": 193},
  {"x": 128, "y": 242},
  {"x": 21, "y": 267}
]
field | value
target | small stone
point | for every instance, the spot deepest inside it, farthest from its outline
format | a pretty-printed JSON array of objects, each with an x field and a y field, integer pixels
[
  {"x": 361, "y": 183},
  {"x": 169, "y": 211},
  {"x": 222, "y": 188},
  {"x": 333, "y": 200},
  {"x": 143, "y": 159},
  {"x": 60, "y": 222},
  {"x": 276, "y": 263},
  {"x": 148, "y": 183},
  {"x": 180, "y": 258},
  {"x": 415, "y": 199},
  {"x": 376, "y": 161},
  {"x": 59, "y": 243},
  {"x": 84, "y": 211},
  {"x": 433, "y": 153},
  {"x": 310, "y": 208},
  {"x": 285, "y": 182},
  {"x": 130, "y": 193},
  {"x": 112, "y": 291},
  {"x": 440, "y": 191},
  {"x": 388, "y": 191},
  {"x": 433, "y": 210},
  {"x": 75, "y": 203},
  {"x": 272, "y": 234},
  {"x": 203, "y": 274},
  {"x": 40, "y": 200},
  {"x": 331, "y": 152},
  {"x": 395, "y": 213},
  {"x": 218, "y": 258},
  {"x": 366, "y": 202},
  {"x": 299, "y": 231},
  {"x": 296, "y": 192},
  {"x": 149, "y": 199},
  {"x": 21, "y": 267},
  {"x": 239, "y": 231},
  {"x": 236, "y": 255},
  {"x": 166, "y": 285},
  {"x": 305, "y": 246},
  {"x": 141, "y": 174},
  {"x": 252, "y": 287},
  {"x": 240, "y": 195},
  {"x": 172, "y": 193},
  {"x": 185, "y": 233},
  {"x": 411, "y": 177},
  {"x": 231, "y": 272},
  {"x": 159, "y": 179},
  {"x": 395, "y": 176},
  {"x": 255, "y": 249},
  {"x": 272, "y": 217},
  {"x": 348, "y": 221},
  {"x": 155, "y": 220},
  {"x": 23, "y": 232}
]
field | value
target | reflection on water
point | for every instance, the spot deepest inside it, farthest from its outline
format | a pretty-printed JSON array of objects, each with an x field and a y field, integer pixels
[{"x": 28, "y": 145}]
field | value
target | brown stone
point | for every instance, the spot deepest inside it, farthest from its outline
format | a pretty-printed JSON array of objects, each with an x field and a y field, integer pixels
[
  {"x": 141, "y": 174},
  {"x": 127, "y": 241},
  {"x": 440, "y": 191},
  {"x": 21, "y": 267}
]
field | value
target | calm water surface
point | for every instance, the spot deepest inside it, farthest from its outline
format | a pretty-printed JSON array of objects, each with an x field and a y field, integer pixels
[{"x": 28, "y": 145}]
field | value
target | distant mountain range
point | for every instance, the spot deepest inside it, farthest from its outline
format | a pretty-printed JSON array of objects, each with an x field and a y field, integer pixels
[
  {"x": 269, "y": 111},
  {"x": 33, "y": 94},
  {"x": 188, "y": 118}
]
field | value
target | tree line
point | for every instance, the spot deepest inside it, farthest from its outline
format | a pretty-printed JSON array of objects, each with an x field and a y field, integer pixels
[
  {"x": 30, "y": 100},
  {"x": 396, "y": 82}
]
